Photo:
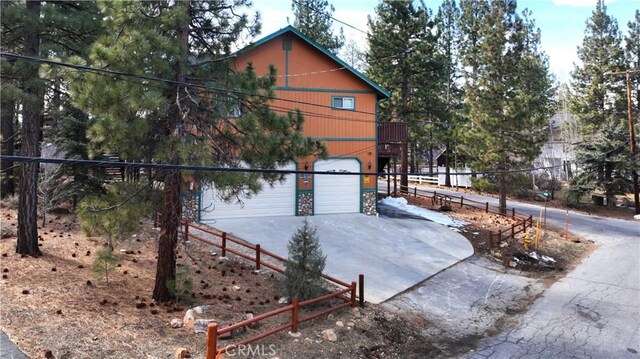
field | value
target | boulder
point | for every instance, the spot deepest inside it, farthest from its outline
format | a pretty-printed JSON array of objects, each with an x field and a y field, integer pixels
[{"x": 200, "y": 325}]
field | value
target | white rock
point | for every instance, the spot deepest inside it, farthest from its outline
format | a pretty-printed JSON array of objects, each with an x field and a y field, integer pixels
[
  {"x": 189, "y": 319},
  {"x": 340, "y": 324},
  {"x": 176, "y": 323},
  {"x": 200, "y": 325},
  {"x": 308, "y": 341},
  {"x": 330, "y": 335},
  {"x": 283, "y": 300},
  {"x": 236, "y": 288},
  {"x": 637, "y": 217},
  {"x": 202, "y": 308}
]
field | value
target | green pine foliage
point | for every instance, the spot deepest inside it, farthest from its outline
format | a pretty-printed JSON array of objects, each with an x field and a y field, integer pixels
[
  {"x": 598, "y": 100},
  {"x": 105, "y": 262},
  {"x": 115, "y": 214},
  {"x": 314, "y": 19},
  {"x": 508, "y": 88},
  {"x": 303, "y": 272},
  {"x": 183, "y": 283},
  {"x": 404, "y": 58}
]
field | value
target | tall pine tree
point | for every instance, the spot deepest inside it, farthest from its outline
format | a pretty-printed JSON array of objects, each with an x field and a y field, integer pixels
[
  {"x": 508, "y": 91},
  {"x": 403, "y": 57},
  {"x": 598, "y": 100},
  {"x": 175, "y": 123},
  {"x": 314, "y": 19}
]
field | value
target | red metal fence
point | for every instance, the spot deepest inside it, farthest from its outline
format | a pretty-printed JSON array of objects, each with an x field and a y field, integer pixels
[
  {"x": 224, "y": 241},
  {"x": 522, "y": 220}
]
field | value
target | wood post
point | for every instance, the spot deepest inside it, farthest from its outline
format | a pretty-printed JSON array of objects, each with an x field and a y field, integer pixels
[
  {"x": 186, "y": 231},
  {"x": 513, "y": 230},
  {"x": 258, "y": 257},
  {"x": 461, "y": 201},
  {"x": 353, "y": 294},
  {"x": 224, "y": 244},
  {"x": 513, "y": 213},
  {"x": 486, "y": 208},
  {"x": 490, "y": 240},
  {"x": 415, "y": 191},
  {"x": 294, "y": 315},
  {"x": 361, "y": 289},
  {"x": 212, "y": 340},
  {"x": 499, "y": 236},
  {"x": 524, "y": 225}
]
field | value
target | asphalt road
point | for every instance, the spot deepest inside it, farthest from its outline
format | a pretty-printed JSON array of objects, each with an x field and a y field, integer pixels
[{"x": 593, "y": 312}]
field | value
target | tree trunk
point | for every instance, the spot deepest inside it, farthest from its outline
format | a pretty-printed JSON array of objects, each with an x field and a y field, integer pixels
[
  {"x": 7, "y": 188},
  {"x": 502, "y": 179},
  {"x": 166, "y": 266},
  {"x": 447, "y": 169},
  {"x": 28, "y": 200}
]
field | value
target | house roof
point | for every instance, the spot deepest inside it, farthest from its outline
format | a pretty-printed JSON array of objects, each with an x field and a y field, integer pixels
[{"x": 381, "y": 92}]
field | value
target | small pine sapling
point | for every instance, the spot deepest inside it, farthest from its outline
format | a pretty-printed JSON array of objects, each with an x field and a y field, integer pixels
[
  {"x": 182, "y": 283},
  {"x": 303, "y": 272},
  {"x": 104, "y": 262}
]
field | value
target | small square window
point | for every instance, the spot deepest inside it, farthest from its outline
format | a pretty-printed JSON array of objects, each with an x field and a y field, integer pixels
[{"x": 343, "y": 103}]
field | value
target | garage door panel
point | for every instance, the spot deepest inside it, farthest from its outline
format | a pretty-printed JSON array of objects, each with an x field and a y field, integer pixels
[
  {"x": 337, "y": 193},
  {"x": 276, "y": 200}
]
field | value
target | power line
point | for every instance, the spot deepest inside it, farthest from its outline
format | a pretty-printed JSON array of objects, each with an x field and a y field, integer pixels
[
  {"x": 102, "y": 163},
  {"x": 158, "y": 79}
]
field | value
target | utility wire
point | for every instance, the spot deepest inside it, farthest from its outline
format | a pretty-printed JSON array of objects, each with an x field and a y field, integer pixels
[
  {"x": 102, "y": 163},
  {"x": 158, "y": 79},
  {"x": 317, "y": 11}
]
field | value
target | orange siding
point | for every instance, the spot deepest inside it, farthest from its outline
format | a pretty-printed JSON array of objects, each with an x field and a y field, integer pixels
[{"x": 314, "y": 78}]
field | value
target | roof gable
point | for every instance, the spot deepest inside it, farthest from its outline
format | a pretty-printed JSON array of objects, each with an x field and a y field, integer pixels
[{"x": 381, "y": 92}]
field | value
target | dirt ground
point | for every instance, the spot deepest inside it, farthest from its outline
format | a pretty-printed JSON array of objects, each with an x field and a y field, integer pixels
[
  {"x": 511, "y": 252},
  {"x": 57, "y": 305}
]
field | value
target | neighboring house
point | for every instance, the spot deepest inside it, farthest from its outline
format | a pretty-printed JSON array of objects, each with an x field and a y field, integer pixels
[
  {"x": 558, "y": 150},
  {"x": 339, "y": 105}
]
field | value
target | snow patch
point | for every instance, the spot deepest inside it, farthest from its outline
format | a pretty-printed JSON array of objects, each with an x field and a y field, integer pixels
[
  {"x": 541, "y": 257},
  {"x": 434, "y": 216}
]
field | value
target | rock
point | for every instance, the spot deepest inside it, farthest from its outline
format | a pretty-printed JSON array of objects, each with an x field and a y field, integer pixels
[
  {"x": 330, "y": 335},
  {"x": 182, "y": 353},
  {"x": 202, "y": 308},
  {"x": 200, "y": 325},
  {"x": 356, "y": 312},
  {"x": 331, "y": 316},
  {"x": 248, "y": 316},
  {"x": 176, "y": 323},
  {"x": 351, "y": 324},
  {"x": 340, "y": 324},
  {"x": 504, "y": 244},
  {"x": 236, "y": 288},
  {"x": 512, "y": 264},
  {"x": 283, "y": 300},
  {"x": 308, "y": 341},
  {"x": 189, "y": 319}
]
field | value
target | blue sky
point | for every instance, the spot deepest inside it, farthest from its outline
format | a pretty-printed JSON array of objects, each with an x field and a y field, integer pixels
[{"x": 562, "y": 22}]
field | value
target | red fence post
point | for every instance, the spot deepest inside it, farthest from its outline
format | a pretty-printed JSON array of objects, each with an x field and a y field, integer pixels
[
  {"x": 224, "y": 244},
  {"x": 499, "y": 236},
  {"x": 258, "y": 257},
  {"x": 361, "y": 289},
  {"x": 524, "y": 225},
  {"x": 212, "y": 340},
  {"x": 461, "y": 201},
  {"x": 513, "y": 213},
  {"x": 490, "y": 240},
  {"x": 294, "y": 315},
  {"x": 353, "y": 294},
  {"x": 486, "y": 208},
  {"x": 186, "y": 231},
  {"x": 415, "y": 191},
  {"x": 513, "y": 231}
]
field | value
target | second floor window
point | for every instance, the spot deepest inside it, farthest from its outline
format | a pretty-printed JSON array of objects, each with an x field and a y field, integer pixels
[{"x": 343, "y": 103}]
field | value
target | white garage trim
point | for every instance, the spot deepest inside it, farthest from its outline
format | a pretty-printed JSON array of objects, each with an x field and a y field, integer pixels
[
  {"x": 279, "y": 200},
  {"x": 337, "y": 193}
]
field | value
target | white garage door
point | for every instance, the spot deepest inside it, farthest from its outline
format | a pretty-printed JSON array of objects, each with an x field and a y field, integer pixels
[
  {"x": 278, "y": 200},
  {"x": 336, "y": 193}
]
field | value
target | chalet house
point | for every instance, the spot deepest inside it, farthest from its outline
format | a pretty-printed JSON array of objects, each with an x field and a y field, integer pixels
[{"x": 340, "y": 108}]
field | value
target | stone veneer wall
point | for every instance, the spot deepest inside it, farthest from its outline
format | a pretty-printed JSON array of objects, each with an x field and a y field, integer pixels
[
  {"x": 190, "y": 206},
  {"x": 305, "y": 204},
  {"x": 369, "y": 201}
]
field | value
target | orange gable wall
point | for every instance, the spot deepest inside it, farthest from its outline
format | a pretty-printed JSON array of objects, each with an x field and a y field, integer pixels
[{"x": 314, "y": 78}]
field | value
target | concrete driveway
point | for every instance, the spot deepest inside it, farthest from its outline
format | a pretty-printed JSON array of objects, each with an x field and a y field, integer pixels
[{"x": 394, "y": 254}]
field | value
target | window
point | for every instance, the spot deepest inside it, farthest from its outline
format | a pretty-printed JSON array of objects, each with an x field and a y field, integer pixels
[
  {"x": 228, "y": 106},
  {"x": 343, "y": 103}
]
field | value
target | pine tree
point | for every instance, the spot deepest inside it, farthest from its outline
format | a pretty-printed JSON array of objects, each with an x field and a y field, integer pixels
[
  {"x": 597, "y": 98},
  {"x": 303, "y": 272},
  {"x": 314, "y": 19},
  {"x": 404, "y": 59},
  {"x": 175, "y": 123},
  {"x": 37, "y": 28},
  {"x": 508, "y": 91}
]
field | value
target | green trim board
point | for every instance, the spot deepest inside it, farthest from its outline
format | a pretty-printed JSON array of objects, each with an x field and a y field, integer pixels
[
  {"x": 313, "y": 89},
  {"x": 382, "y": 93}
]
